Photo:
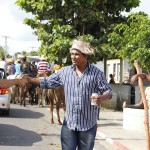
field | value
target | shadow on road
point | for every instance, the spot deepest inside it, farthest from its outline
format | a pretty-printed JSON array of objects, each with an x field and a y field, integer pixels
[
  {"x": 109, "y": 124},
  {"x": 23, "y": 113},
  {"x": 15, "y": 136}
]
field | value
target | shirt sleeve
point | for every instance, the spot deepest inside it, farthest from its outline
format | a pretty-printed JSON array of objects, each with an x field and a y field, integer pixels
[
  {"x": 102, "y": 84},
  {"x": 52, "y": 81}
]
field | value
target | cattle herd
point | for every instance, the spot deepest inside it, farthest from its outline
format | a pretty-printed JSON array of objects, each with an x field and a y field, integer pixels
[{"x": 41, "y": 97}]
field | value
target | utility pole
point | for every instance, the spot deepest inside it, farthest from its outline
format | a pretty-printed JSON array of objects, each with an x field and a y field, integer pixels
[
  {"x": 33, "y": 48},
  {"x": 5, "y": 47}
]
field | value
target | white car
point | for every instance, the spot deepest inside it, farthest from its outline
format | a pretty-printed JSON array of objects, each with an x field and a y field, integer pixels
[{"x": 5, "y": 95}]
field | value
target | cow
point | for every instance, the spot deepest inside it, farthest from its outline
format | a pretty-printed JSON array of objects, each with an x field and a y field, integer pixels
[
  {"x": 23, "y": 94},
  {"x": 41, "y": 93},
  {"x": 26, "y": 90},
  {"x": 14, "y": 94},
  {"x": 14, "y": 90},
  {"x": 56, "y": 95}
]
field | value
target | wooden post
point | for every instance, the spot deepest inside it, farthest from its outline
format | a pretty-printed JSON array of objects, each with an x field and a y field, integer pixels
[{"x": 146, "y": 119}]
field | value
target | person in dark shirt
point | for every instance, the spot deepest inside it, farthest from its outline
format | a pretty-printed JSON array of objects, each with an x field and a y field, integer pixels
[
  {"x": 111, "y": 78},
  {"x": 33, "y": 67},
  {"x": 32, "y": 88},
  {"x": 25, "y": 66}
]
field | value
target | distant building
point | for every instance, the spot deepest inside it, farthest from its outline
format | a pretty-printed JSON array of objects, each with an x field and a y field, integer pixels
[
  {"x": 119, "y": 68},
  {"x": 34, "y": 58}
]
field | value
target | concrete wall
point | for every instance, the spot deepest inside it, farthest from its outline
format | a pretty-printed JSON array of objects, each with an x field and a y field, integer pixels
[
  {"x": 133, "y": 119},
  {"x": 121, "y": 93},
  {"x": 138, "y": 93}
]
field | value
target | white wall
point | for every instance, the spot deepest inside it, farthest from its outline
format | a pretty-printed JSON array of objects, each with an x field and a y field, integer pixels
[
  {"x": 113, "y": 67},
  {"x": 100, "y": 65}
]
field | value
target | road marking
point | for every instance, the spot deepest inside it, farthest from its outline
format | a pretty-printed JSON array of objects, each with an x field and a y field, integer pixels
[{"x": 105, "y": 137}]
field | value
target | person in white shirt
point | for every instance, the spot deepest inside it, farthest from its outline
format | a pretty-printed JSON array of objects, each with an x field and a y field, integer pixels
[{"x": 3, "y": 63}]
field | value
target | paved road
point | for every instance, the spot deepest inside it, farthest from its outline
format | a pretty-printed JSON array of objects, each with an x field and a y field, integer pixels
[{"x": 29, "y": 128}]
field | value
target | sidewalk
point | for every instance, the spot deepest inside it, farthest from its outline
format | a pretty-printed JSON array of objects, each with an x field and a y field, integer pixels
[{"x": 110, "y": 128}]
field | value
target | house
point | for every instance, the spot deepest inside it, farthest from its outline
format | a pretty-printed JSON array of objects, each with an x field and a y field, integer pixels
[
  {"x": 121, "y": 69},
  {"x": 122, "y": 90}
]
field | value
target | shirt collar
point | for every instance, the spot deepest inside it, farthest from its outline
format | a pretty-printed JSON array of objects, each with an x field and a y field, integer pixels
[{"x": 88, "y": 67}]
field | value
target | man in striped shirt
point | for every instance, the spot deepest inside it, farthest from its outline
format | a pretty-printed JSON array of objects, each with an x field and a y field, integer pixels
[
  {"x": 42, "y": 65},
  {"x": 80, "y": 80}
]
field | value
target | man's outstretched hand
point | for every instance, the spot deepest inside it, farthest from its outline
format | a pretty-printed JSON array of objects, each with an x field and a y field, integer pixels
[{"x": 22, "y": 82}]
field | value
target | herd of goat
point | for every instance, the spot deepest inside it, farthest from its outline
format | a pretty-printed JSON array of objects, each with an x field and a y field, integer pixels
[{"x": 39, "y": 96}]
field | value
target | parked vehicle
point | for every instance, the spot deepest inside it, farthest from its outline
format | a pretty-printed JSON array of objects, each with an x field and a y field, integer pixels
[{"x": 5, "y": 95}]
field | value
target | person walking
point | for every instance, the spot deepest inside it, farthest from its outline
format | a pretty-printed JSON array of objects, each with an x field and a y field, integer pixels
[
  {"x": 25, "y": 66},
  {"x": 80, "y": 81},
  {"x": 112, "y": 80},
  {"x": 18, "y": 67},
  {"x": 3, "y": 64},
  {"x": 11, "y": 67},
  {"x": 42, "y": 65},
  {"x": 34, "y": 67}
]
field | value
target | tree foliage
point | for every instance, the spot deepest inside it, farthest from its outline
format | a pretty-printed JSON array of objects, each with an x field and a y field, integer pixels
[
  {"x": 2, "y": 52},
  {"x": 131, "y": 40},
  {"x": 34, "y": 53},
  {"x": 58, "y": 22}
]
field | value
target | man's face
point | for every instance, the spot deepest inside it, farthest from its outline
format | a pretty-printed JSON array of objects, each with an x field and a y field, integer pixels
[{"x": 77, "y": 57}]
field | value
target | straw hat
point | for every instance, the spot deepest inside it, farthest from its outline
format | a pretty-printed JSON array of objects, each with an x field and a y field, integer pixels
[
  {"x": 43, "y": 58},
  {"x": 56, "y": 67},
  {"x": 10, "y": 60},
  {"x": 83, "y": 47}
]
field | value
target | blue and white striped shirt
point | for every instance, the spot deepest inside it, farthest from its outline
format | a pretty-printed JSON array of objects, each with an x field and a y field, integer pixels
[{"x": 80, "y": 114}]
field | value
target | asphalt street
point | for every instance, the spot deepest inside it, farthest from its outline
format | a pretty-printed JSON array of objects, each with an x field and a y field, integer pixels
[{"x": 29, "y": 128}]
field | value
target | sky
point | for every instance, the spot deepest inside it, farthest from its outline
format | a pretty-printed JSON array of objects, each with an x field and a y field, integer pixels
[{"x": 18, "y": 36}]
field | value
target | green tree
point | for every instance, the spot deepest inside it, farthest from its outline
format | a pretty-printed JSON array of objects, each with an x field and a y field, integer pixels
[
  {"x": 24, "y": 53},
  {"x": 2, "y": 52},
  {"x": 34, "y": 53},
  {"x": 16, "y": 54},
  {"x": 131, "y": 40},
  {"x": 57, "y": 22}
]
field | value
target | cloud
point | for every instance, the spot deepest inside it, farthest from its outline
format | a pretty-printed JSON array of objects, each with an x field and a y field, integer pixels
[
  {"x": 9, "y": 10},
  {"x": 20, "y": 36},
  {"x": 144, "y": 6}
]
